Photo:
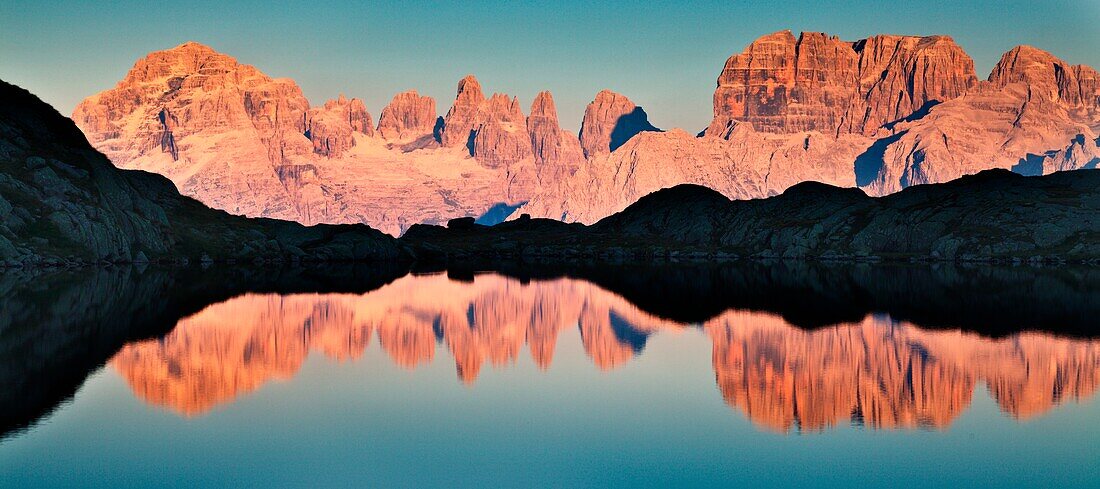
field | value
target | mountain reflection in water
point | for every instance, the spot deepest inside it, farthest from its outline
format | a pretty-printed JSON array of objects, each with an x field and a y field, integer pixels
[
  {"x": 794, "y": 346},
  {"x": 874, "y": 371}
]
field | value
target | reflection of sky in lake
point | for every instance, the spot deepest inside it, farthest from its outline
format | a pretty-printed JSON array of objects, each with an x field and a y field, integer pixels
[{"x": 562, "y": 382}]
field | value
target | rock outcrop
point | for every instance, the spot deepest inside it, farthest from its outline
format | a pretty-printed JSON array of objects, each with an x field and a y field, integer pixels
[
  {"x": 1032, "y": 108},
  {"x": 817, "y": 82},
  {"x": 64, "y": 204},
  {"x": 331, "y": 126},
  {"x": 557, "y": 153},
  {"x": 493, "y": 129},
  {"x": 500, "y": 138},
  {"x": 1049, "y": 78},
  {"x": 610, "y": 120},
  {"x": 465, "y": 115},
  {"x": 408, "y": 117}
]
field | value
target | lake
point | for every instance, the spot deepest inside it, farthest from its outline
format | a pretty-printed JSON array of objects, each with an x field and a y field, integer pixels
[{"x": 520, "y": 375}]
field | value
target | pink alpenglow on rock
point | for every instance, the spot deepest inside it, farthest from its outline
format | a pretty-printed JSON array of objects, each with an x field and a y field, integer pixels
[
  {"x": 881, "y": 114},
  {"x": 237, "y": 140},
  {"x": 409, "y": 116},
  {"x": 330, "y": 127},
  {"x": 817, "y": 82},
  {"x": 500, "y": 137},
  {"x": 610, "y": 120},
  {"x": 557, "y": 153},
  {"x": 465, "y": 114}
]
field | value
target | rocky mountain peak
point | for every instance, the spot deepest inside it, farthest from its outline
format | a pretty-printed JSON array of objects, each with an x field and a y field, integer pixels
[
  {"x": 408, "y": 116},
  {"x": 817, "y": 82},
  {"x": 557, "y": 153},
  {"x": 1025, "y": 63},
  {"x": 543, "y": 106},
  {"x": 191, "y": 90},
  {"x": 609, "y": 121},
  {"x": 504, "y": 108},
  {"x": 1048, "y": 76},
  {"x": 331, "y": 127},
  {"x": 470, "y": 89},
  {"x": 500, "y": 135},
  {"x": 464, "y": 115},
  {"x": 493, "y": 129},
  {"x": 189, "y": 58}
]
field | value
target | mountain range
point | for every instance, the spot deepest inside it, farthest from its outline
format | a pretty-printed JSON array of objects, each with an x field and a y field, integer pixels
[
  {"x": 881, "y": 114},
  {"x": 63, "y": 204}
]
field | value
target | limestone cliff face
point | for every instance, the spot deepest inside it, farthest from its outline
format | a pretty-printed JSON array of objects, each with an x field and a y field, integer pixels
[
  {"x": 331, "y": 126},
  {"x": 1034, "y": 116},
  {"x": 189, "y": 89},
  {"x": 783, "y": 84},
  {"x": 903, "y": 75},
  {"x": 409, "y": 116},
  {"x": 465, "y": 113},
  {"x": 817, "y": 82},
  {"x": 501, "y": 139},
  {"x": 610, "y": 120},
  {"x": 557, "y": 153}
]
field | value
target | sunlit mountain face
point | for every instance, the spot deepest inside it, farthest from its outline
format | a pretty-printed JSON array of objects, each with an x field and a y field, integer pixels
[{"x": 876, "y": 372}]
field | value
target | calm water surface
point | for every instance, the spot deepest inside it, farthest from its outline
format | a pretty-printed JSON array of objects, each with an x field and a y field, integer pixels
[{"x": 505, "y": 379}]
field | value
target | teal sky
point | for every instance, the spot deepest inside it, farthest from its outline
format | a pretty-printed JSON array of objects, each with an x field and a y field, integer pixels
[{"x": 664, "y": 56}]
